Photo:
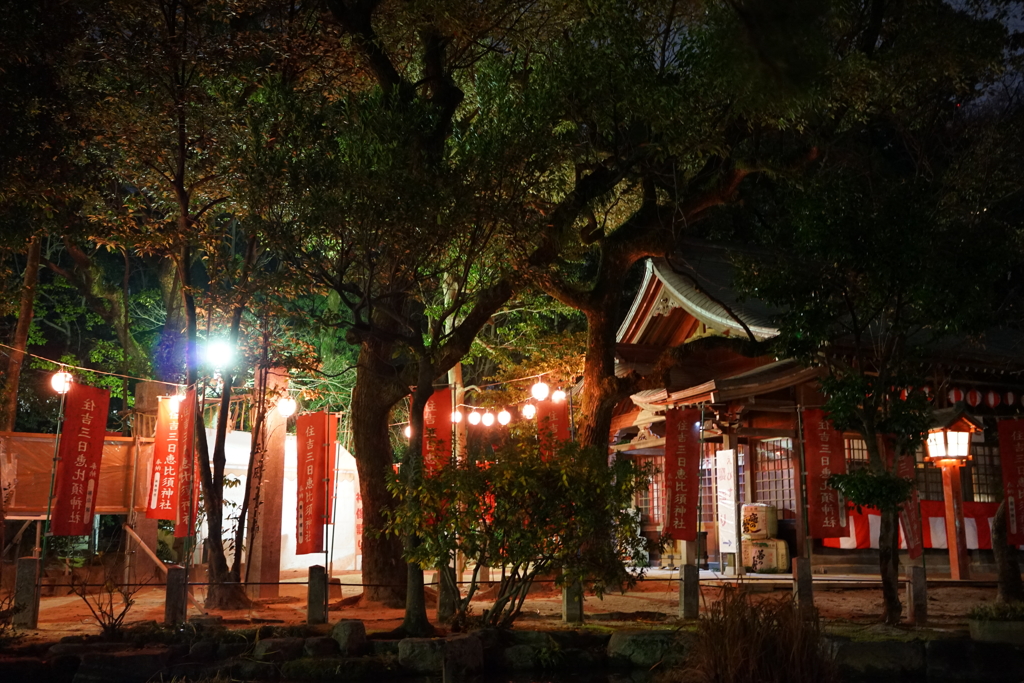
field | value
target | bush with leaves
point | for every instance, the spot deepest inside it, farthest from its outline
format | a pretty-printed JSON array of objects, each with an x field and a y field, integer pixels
[
  {"x": 527, "y": 515},
  {"x": 769, "y": 641}
]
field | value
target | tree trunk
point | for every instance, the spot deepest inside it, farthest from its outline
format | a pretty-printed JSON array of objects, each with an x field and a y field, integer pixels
[
  {"x": 169, "y": 354},
  {"x": 1010, "y": 588},
  {"x": 416, "y": 623},
  {"x": 9, "y": 411},
  {"x": 889, "y": 565},
  {"x": 372, "y": 399}
]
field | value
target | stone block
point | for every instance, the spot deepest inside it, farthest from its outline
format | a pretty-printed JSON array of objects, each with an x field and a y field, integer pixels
[
  {"x": 321, "y": 646},
  {"x": 258, "y": 671},
  {"x": 232, "y": 650},
  {"x": 421, "y": 655},
  {"x": 203, "y": 650},
  {"x": 278, "y": 649},
  {"x": 350, "y": 634},
  {"x": 134, "y": 666},
  {"x": 520, "y": 658},
  {"x": 881, "y": 660},
  {"x": 463, "y": 655},
  {"x": 638, "y": 648},
  {"x": 336, "y": 669}
]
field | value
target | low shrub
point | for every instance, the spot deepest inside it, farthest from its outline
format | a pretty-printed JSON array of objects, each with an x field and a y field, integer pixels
[
  {"x": 769, "y": 641},
  {"x": 998, "y": 611}
]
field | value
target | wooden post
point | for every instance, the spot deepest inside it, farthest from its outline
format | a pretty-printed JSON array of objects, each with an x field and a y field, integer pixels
[
  {"x": 689, "y": 591},
  {"x": 176, "y": 600},
  {"x": 803, "y": 582},
  {"x": 572, "y": 603},
  {"x": 316, "y": 596},
  {"x": 917, "y": 594},
  {"x": 956, "y": 537},
  {"x": 26, "y": 592}
]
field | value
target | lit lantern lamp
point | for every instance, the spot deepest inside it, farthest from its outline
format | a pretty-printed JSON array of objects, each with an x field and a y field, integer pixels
[
  {"x": 487, "y": 419},
  {"x": 474, "y": 418},
  {"x": 61, "y": 382},
  {"x": 949, "y": 448},
  {"x": 286, "y": 407},
  {"x": 504, "y": 417},
  {"x": 949, "y": 439},
  {"x": 456, "y": 417},
  {"x": 529, "y": 410},
  {"x": 558, "y": 396},
  {"x": 539, "y": 391},
  {"x": 408, "y": 431}
]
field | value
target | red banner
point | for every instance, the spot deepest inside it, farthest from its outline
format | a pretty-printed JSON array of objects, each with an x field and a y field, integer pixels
[
  {"x": 188, "y": 471},
  {"x": 682, "y": 473},
  {"x": 437, "y": 432},
  {"x": 168, "y": 461},
  {"x": 824, "y": 456},
  {"x": 311, "y": 480},
  {"x": 552, "y": 425},
  {"x": 910, "y": 511},
  {"x": 78, "y": 460},
  {"x": 1011, "y": 453},
  {"x": 332, "y": 462}
]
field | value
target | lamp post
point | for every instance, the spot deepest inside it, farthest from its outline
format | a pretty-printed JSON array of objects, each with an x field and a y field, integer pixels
[{"x": 949, "y": 448}]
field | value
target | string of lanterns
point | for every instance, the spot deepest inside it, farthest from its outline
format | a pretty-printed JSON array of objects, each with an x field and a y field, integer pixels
[{"x": 539, "y": 391}]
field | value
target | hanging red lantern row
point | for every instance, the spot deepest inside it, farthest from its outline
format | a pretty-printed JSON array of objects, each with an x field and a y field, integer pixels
[{"x": 974, "y": 397}]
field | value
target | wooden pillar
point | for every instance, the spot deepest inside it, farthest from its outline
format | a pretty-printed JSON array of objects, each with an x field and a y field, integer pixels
[
  {"x": 176, "y": 598},
  {"x": 264, "y": 555},
  {"x": 956, "y": 537},
  {"x": 917, "y": 595},
  {"x": 316, "y": 596},
  {"x": 689, "y": 591}
]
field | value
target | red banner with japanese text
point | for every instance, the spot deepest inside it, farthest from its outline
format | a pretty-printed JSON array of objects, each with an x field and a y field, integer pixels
[
  {"x": 682, "y": 473},
  {"x": 311, "y": 481},
  {"x": 823, "y": 456},
  {"x": 168, "y": 461},
  {"x": 332, "y": 462},
  {"x": 78, "y": 460},
  {"x": 188, "y": 473},
  {"x": 910, "y": 511},
  {"x": 437, "y": 432},
  {"x": 1011, "y": 453},
  {"x": 552, "y": 425}
]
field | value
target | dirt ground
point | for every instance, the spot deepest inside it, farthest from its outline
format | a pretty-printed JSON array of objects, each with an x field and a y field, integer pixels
[{"x": 842, "y": 601}]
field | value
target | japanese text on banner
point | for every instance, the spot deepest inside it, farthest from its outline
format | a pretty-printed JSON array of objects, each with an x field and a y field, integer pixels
[
  {"x": 824, "y": 456},
  {"x": 79, "y": 456},
  {"x": 682, "y": 473},
  {"x": 311, "y": 483},
  {"x": 1011, "y": 453}
]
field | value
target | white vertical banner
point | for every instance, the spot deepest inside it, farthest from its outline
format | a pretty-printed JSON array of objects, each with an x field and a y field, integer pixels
[{"x": 725, "y": 469}]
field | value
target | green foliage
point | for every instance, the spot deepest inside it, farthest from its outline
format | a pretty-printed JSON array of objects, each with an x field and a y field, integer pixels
[
  {"x": 998, "y": 611},
  {"x": 526, "y": 516},
  {"x": 864, "y": 487},
  {"x": 767, "y": 641}
]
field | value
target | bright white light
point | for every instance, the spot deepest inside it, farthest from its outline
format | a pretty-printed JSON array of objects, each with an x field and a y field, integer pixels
[
  {"x": 529, "y": 410},
  {"x": 539, "y": 391},
  {"x": 61, "y": 382},
  {"x": 504, "y": 417},
  {"x": 175, "y": 402},
  {"x": 558, "y": 396},
  {"x": 286, "y": 406},
  {"x": 474, "y": 418},
  {"x": 456, "y": 417},
  {"x": 219, "y": 353},
  {"x": 487, "y": 419},
  {"x": 408, "y": 431}
]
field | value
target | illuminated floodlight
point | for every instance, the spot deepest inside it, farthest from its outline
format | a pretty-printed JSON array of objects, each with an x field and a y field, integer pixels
[
  {"x": 287, "y": 406},
  {"x": 474, "y": 418},
  {"x": 456, "y": 417},
  {"x": 539, "y": 391},
  {"x": 61, "y": 382},
  {"x": 504, "y": 417},
  {"x": 219, "y": 353},
  {"x": 529, "y": 410},
  {"x": 487, "y": 419},
  {"x": 558, "y": 396}
]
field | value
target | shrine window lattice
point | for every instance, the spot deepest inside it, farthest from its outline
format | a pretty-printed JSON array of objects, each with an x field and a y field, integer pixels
[{"x": 773, "y": 475}]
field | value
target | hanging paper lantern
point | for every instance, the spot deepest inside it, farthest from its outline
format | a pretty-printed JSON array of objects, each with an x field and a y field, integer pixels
[
  {"x": 286, "y": 406},
  {"x": 956, "y": 395},
  {"x": 456, "y": 417},
  {"x": 61, "y": 382},
  {"x": 407, "y": 431},
  {"x": 558, "y": 396},
  {"x": 992, "y": 399},
  {"x": 474, "y": 418},
  {"x": 973, "y": 398},
  {"x": 539, "y": 391},
  {"x": 529, "y": 410},
  {"x": 504, "y": 417},
  {"x": 1011, "y": 398},
  {"x": 487, "y": 419}
]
